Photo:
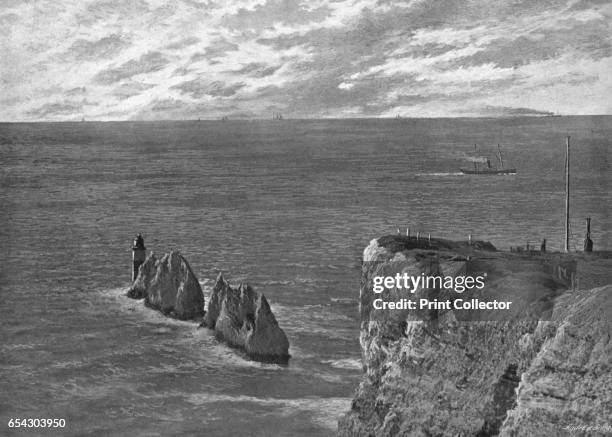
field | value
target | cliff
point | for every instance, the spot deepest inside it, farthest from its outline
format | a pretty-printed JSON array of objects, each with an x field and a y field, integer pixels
[
  {"x": 243, "y": 319},
  {"x": 569, "y": 383},
  {"x": 170, "y": 286},
  {"x": 533, "y": 370}
]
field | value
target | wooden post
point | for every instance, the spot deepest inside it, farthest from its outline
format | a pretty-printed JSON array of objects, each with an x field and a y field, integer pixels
[
  {"x": 567, "y": 195},
  {"x": 588, "y": 243}
]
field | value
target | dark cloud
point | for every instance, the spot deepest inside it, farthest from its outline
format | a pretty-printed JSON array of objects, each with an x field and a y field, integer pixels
[
  {"x": 200, "y": 5},
  {"x": 422, "y": 92},
  {"x": 178, "y": 109},
  {"x": 166, "y": 105},
  {"x": 336, "y": 53},
  {"x": 182, "y": 43},
  {"x": 571, "y": 79},
  {"x": 578, "y": 79},
  {"x": 147, "y": 63},
  {"x": 109, "y": 10},
  {"x": 162, "y": 13},
  {"x": 588, "y": 4},
  {"x": 78, "y": 91},
  {"x": 342, "y": 51},
  {"x": 275, "y": 11},
  {"x": 10, "y": 4},
  {"x": 428, "y": 50},
  {"x": 10, "y": 100},
  {"x": 268, "y": 90},
  {"x": 199, "y": 88},
  {"x": 6, "y": 24},
  {"x": 130, "y": 89},
  {"x": 579, "y": 40},
  {"x": 197, "y": 57},
  {"x": 257, "y": 69},
  {"x": 320, "y": 95},
  {"x": 501, "y": 111},
  {"x": 181, "y": 71},
  {"x": 85, "y": 50},
  {"x": 371, "y": 38},
  {"x": 8, "y": 19},
  {"x": 63, "y": 108},
  {"x": 442, "y": 13},
  {"x": 217, "y": 49}
]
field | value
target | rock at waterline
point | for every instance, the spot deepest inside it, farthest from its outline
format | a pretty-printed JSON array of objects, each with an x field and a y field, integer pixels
[
  {"x": 243, "y": 319},
  {"x": 170, "y": 286}
]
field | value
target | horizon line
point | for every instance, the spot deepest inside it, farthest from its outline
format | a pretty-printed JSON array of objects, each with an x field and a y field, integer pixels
[{"x": 220, "y": 119}]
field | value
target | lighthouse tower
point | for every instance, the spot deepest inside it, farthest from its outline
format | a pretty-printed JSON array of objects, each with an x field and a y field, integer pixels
[{"x": 139, "y": 254}]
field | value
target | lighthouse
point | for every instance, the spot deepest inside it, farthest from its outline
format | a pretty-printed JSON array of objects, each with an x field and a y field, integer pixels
[{"x": 139, "y": 253}]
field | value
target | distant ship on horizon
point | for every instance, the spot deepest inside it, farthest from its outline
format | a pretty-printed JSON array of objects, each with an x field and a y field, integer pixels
[{"x": 488, "y": 170}]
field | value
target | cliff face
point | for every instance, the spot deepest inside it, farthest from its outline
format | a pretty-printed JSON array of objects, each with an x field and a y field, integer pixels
[
  {"x": 569, "y": 383},
  {"x": 243, "y": 319},
  {"x": 438, "y": 373},
  {"x": 170, "y": 286}
]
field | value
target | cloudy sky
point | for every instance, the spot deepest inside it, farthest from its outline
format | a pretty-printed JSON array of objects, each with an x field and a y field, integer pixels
[{"x": 177, "y": 59}]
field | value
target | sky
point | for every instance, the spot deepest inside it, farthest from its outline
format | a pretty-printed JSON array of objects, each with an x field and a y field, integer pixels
[{"x": 187, "y": 59}]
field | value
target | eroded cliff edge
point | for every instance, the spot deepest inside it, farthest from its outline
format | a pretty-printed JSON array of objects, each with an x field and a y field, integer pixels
[{"x": 538, "y": 369}]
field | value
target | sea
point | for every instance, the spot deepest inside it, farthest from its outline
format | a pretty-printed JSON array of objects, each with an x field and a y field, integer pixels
[{"x": 287, "y": 206}]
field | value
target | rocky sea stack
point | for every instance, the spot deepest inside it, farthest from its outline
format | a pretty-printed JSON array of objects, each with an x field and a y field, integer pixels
[
  {"x": 169, "y": 285},
  {"x": 243, "y": 319},
  {"x": 439, "y": 374}
]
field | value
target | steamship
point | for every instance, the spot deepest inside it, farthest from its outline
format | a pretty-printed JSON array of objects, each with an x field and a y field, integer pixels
[{"x": 489, "y": 170}]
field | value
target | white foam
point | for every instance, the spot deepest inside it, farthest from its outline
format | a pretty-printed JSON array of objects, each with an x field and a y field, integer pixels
[
  {"x": 117, "y": 296},
  {"x": 325, "y": 411},
  {"x": 345, "y": 363},
  {"x": 441, "y": 174}
]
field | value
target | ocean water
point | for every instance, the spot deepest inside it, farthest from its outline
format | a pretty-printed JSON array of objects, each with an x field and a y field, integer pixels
[{"x": 287, "y": 206}]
